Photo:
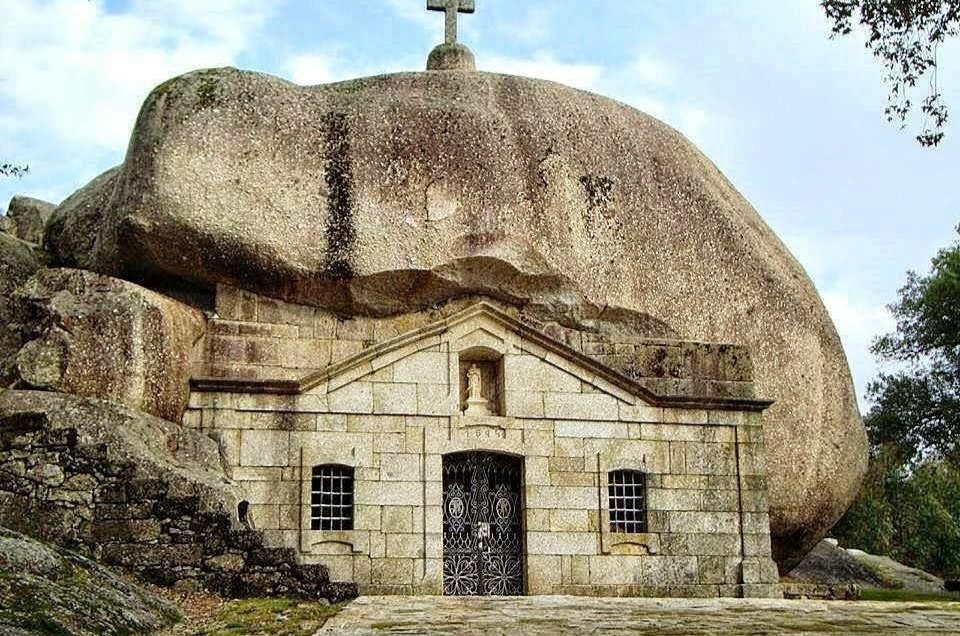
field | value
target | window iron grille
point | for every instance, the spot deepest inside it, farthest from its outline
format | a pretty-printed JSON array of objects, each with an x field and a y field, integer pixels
[
  {"x": 628, "y": 501},
  {"x": 331, "y": 498}
]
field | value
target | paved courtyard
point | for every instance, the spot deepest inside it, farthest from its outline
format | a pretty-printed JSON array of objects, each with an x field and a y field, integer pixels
[{"x": 559, "y": 616}]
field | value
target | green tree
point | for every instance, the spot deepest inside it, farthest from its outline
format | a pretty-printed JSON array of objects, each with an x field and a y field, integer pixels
[
  {"x": 906, "y": 36},
  {"x": 917, "y": 408},
  {"x": 909, "y": 506},
  {"x": 910, "y": 515}
]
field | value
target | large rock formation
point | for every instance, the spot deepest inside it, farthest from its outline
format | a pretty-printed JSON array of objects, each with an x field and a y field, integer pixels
[
  {"x": 26, "y": 218},
  {"x": 18, "y": 262},
  {"x": 74, "y": 226},
  {"x": 398, "y": 192},
  {"x": 102, "y": 337}
]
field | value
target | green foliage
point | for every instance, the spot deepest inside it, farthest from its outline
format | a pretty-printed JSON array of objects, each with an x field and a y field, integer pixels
[
  {"x": 913, "y": 517},
  {"x": 208, "y": 90},
  {"x": 905, "y": 35},
  {"x": 917, "y": 409},
  {"x": 868, "y": 524},
  {"x": 909, "y": 506}
]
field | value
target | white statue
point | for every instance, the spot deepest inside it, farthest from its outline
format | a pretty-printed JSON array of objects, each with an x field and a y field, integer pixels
[
  {"x": 474, "y": 383},
  {"x": 476, "y": 404}
]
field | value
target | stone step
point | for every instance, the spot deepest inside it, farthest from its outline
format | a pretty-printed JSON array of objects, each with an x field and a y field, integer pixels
[
  {"x": 172, "y": 507},
  {"x": 272, "y": 556}
]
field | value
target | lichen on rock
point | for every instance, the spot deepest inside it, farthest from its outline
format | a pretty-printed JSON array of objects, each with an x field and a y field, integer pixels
[
  {"x": 96, "y": 336},
  {"x": 49, "y": 590}
]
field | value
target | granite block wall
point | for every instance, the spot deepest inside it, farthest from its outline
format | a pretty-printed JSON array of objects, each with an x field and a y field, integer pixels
[
  {"x": 394, "y": 415},
  {"x": 258, "y": 337}
]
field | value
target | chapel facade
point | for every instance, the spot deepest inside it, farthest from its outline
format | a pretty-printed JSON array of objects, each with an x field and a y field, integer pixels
[{"x": 475, "y": 449}]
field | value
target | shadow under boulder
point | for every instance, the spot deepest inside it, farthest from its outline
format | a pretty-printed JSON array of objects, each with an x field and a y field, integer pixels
[{"x": 18, "y": 262}]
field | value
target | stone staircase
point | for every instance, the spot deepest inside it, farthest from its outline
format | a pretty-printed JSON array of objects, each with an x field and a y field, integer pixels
[{"x": 57, "y": 485}]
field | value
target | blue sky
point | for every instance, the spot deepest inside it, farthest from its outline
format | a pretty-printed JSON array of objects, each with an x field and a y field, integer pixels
[{"x": 793, "y": 118}]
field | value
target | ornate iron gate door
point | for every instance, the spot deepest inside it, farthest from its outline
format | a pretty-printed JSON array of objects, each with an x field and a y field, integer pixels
[{"x": 482, "y": 534}]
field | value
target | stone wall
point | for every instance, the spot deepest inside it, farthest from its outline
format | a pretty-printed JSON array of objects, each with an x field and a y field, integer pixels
[
  {"x": 258, "y": 337},
  {"x": 116, "y": 502},
  {"x": 667, "y": 367},
  {"x": 693, "y": 546},
  {"x": 394, "y": 413}
]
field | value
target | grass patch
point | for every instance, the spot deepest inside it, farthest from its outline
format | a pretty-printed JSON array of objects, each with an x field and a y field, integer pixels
[
  {"x": 392, "y": 625},
  {"x": 266, "y": 617},
  {"x": 906, "y": 596}
]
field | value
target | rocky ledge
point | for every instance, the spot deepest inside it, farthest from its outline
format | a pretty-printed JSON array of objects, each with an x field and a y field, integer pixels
[{"x": 48, "y": 590}]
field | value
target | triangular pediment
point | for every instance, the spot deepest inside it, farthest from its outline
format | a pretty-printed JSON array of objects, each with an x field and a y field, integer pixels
[
  {"x": 481, "y": 326},
  {"x": 531, "y": 359}
]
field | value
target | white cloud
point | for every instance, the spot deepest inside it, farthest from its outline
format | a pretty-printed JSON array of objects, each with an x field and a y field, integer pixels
[
  {"x": 858, "y": 321},
  {"x": 650, "y": 105},
  {"x": 651, "y": 70},
  {"x": 324, "y": 67},
  {"x": 653, "y": 75},
  {"x": 311, "y": 68},
  {"x": 80, "y": 73},
  {"x": 649, "y": 83},
  {"x": 414, "y": 11},
  {"x": 859, "y": 313},
  {"x": 543, "y": 65},
  {"x": 532, "y": 27},
  {"x": 696, "y": 123}
]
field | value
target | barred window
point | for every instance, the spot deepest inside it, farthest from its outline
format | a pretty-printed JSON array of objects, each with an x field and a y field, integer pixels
[
  {"x": 628, "y": 500},
  {"x": 331, "y": 498}
]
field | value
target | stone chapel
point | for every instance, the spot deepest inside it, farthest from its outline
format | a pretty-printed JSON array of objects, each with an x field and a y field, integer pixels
[{"x": 473, "y": 451}]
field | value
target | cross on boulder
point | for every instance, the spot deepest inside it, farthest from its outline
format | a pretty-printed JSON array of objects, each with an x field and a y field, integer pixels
[{"x": 451, "y": 8}]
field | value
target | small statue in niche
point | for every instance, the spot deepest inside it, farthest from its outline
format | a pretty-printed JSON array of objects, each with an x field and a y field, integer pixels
[
  {"x": 474, "y": 383},
  {"x": 477, "y": 405}
]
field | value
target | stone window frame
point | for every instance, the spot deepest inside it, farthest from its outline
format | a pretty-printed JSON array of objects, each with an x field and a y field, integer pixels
[
  {"x": 626, "y": 543},
  {"x": 328, "y": 542},
  {"x": 336, "y": 473}
]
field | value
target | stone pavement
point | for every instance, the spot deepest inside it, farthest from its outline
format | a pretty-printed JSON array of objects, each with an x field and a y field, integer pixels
[{"x": 562, "y": 616}]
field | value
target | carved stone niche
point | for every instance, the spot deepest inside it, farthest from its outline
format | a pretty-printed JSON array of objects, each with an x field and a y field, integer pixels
[{"x": 481, "y": 382}]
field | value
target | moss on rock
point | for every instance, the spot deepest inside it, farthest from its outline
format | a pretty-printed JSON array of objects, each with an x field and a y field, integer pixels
[{"x": 47, "y": 590}]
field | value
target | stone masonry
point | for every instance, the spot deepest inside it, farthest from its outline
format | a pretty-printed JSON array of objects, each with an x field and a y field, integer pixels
[
  {"x": 286, "y": 388},
  {"x": 104, "y": 499}
]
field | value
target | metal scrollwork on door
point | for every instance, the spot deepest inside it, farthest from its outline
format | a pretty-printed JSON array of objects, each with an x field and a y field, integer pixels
[{"x": 482, "y": 535}]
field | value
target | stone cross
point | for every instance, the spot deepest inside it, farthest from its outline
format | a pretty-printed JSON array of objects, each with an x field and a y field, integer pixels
[{"x": 451, "y": 8}]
